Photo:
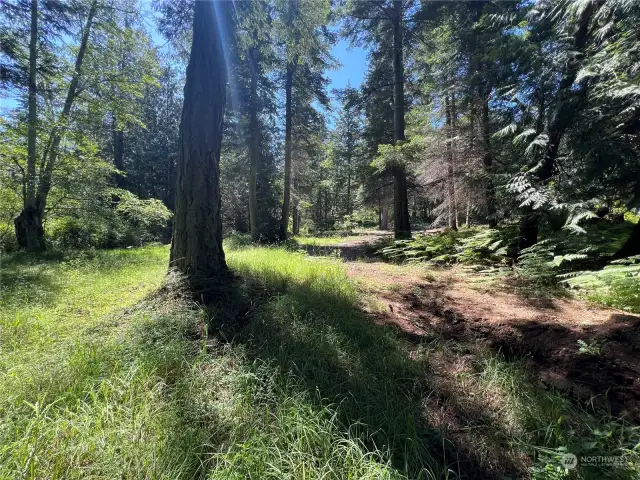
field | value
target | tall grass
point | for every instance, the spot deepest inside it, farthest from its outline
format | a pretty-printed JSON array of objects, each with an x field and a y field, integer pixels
[
  {"x": 103, "y": 377},
  {"x": 144, "y": 392}
]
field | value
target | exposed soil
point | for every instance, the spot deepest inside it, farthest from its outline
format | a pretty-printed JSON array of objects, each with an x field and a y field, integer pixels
[
  {"x": 350, "y": 250},
  {"x": 542, "y": 331}
]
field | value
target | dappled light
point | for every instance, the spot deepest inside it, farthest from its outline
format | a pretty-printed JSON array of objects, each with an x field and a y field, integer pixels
[{"x": 320, "y": 240}]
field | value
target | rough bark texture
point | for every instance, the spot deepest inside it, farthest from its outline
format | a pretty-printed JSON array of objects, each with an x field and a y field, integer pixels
[
  {"x": 402, "y": 227},
  {"x": 384, "y": 218},
  {"x": 559, "y": 121},
  {"x": 29, "y": 224},
  {"x": 284, "y": 221},
  {"x": 196, "y": 249},
  {"x": 30, "y": 190},
  {"x": 29, "y": 229},
  {"x": 254, "y": 146}
]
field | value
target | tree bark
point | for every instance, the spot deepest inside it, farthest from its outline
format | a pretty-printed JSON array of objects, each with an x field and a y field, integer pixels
[
  {"x": 29, "y": 224},
  {"x": 384, "y": 217},
  {"x": 296, "y": 218},
  {"x": 254, "y": 146},
  {"x": 487, "y": 161},
  {"x": 288, "y": 88},
  {"x": 118, "y": 154},
  {"x": 30, "y": 181},
  {"x": 451, "y": 185},
  {"x": 196, "y": 249},
  {"x": 402, "y": 226},
  {"x": 558, "y": 123}
]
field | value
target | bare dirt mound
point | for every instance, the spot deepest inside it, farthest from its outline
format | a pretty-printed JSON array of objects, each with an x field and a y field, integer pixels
[{"x": 545, "y": 332}]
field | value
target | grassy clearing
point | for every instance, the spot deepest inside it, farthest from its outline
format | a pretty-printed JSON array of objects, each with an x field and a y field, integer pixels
[
  {"x": 295, "y": 382},
  {"x": 305, "y": 241}
]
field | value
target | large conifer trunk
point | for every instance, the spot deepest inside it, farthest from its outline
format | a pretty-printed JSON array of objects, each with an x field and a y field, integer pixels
[
  {"x": 254, "y": 146},
  {"x": 288, "y": 129},
  {"x": 196, "y": 249},
  {"x": 402, "y": 227}
]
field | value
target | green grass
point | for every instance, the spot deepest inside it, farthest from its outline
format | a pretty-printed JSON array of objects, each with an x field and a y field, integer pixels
[
  {"x": 103, "y": 376},
  {"x": 309, "y": 241}
]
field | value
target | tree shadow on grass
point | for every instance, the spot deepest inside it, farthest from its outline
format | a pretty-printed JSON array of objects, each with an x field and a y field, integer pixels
[{"x": 319, "y": 334}]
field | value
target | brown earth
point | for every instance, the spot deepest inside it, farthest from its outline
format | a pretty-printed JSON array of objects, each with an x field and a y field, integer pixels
[{"x": 544, "y": 332}]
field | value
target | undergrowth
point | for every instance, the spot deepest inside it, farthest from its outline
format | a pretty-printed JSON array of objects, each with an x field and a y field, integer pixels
[
  {"x": 558, "y": 260},
  {"x": 104, "y": 376}
]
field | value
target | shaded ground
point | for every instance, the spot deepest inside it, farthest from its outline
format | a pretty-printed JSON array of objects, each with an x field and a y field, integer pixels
[
  {"x": 456, "y": 305},
  {"x": 545, "y": 332},
  {"x": 352, "y": 250}
]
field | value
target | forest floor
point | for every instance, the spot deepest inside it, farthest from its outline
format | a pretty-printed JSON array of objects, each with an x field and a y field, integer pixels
[
  {"x": 586, "y": 351},
  {"x": 457, "y": 304},
  {"x": 317, "y": 363}
]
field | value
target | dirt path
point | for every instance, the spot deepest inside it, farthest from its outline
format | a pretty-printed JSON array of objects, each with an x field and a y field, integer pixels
[
  {"x": 458, "y": 305},
  {"x": 349, "y": 251}
]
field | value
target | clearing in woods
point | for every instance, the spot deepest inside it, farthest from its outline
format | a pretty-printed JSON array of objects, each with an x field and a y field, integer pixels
[
  {"x": 334, "y": 365},
  {"x": 456, "y": 304}
]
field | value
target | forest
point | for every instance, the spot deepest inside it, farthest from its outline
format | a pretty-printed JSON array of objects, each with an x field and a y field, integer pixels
[{"x": 320, "y": 239}]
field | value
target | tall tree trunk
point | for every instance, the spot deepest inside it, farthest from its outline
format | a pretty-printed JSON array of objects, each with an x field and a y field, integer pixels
[
  {"x": 118, "y": 154},
  {"x": 29, "y": 224},
  {"x": 560, "y": 120},
  {"x": 254, "y": 146},
  {"x": 402, "y": 226},
  {"x": 30, "y": 181},
  {"x": 384, "y": 217},
  {"x": 349, "y": 184},
  {"x": 196, "y": 249},
  {"x": 296, "y": 217},
  {"x": 487, "y": 161},
  {"x": 288, "y": 88},
  {"x": 451, "y": 185}
]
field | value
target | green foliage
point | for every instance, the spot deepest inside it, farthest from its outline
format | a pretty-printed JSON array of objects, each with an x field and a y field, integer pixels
[
  {"x": 617, "y": 285},
  {"x": 102, "y": 375},
  {"x": 130, "y": 221},
  {"x": 467, "y": 245}
]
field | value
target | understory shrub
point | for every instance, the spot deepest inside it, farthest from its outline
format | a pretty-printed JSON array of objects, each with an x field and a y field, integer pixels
[{"x": 132, "y": 221}]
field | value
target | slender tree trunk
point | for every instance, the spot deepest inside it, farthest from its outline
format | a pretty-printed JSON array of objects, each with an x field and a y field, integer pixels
[
  {"x": 29, "y": 224},
  {"x": 402, "y": 226},
  {"x": 384, "y": 217},
  {"x": 326, "y": 208},
  {"x": 487, "y": 161},
  {"x": 118, "y": 154},
  {"x": 288, "y": 88},
  {"x": 254, "y": 146},
  {"x": 196, "y": 248},
  {"x": 451, "y": 188},
  {"x": 468, "y": 215},
  {"x": 349, "y": 184},
  {"x": 296, "y": 218},
  {"x": 558, "y": 123}
]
